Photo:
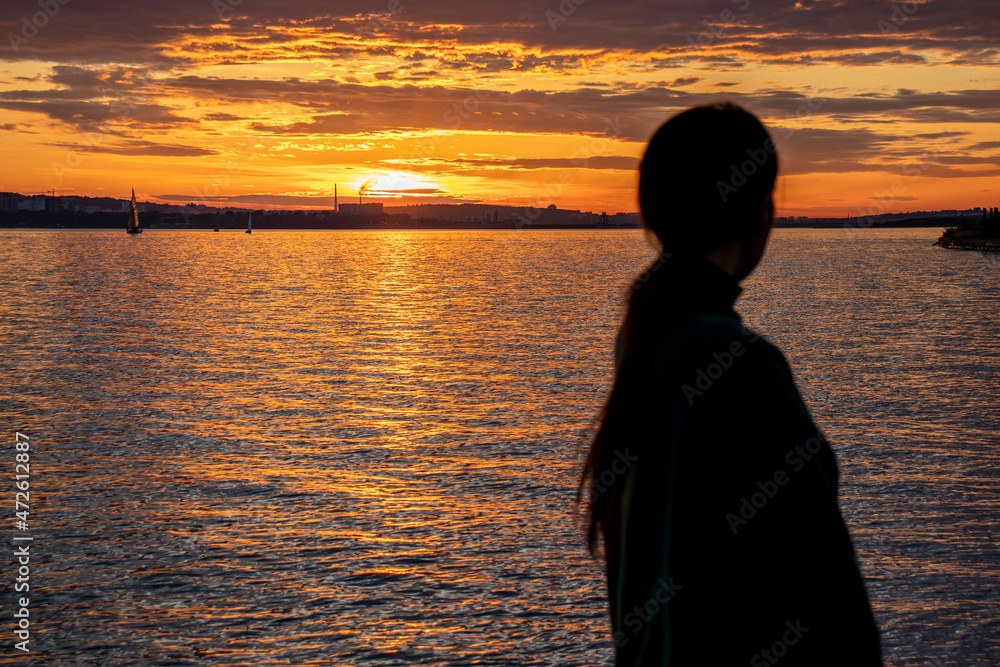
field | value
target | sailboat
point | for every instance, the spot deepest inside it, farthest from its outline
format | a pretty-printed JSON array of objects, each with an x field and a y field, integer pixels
[
  {"x": 250, "y": 223},
  {"x": 132, "y": 226}
]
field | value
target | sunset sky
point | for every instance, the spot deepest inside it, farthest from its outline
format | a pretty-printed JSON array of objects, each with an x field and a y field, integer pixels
[{"x": 874, "y": 105}]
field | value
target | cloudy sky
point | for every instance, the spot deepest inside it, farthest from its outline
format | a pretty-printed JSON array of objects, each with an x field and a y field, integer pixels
[{"x": 874, "y": 105}]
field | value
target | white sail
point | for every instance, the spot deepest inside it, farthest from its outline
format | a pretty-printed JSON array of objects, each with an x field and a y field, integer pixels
[{"x": 250, "y": 223}]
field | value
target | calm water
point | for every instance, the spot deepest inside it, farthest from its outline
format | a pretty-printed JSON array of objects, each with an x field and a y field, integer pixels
[{"x": 360, "y": 447}]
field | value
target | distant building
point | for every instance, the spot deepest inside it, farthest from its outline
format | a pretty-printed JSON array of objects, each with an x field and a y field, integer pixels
[
  {"x": 8, "y": 201},
  {"x": 31, "y": 204},
  {"x": 625, "y": 220},
  {"x": 372, "y": 210}
]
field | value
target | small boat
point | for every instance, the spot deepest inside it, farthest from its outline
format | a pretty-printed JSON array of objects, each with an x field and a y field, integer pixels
[
  {"x": 250, "y": 223},
  {"x": 132, "y": 226},
  {"x": 216, "y": 229}
]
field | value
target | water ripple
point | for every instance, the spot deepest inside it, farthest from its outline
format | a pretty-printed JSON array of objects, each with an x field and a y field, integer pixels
[{"x": 360, "y": 448}]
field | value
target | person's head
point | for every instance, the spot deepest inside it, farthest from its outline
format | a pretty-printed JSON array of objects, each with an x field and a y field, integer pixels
[
  {"x": 704, "y": 189},
  {"x": 706, "y": 180}
]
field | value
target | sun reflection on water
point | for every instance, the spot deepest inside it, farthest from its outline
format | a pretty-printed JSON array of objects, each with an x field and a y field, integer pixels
[{"x": 361, "y": 447}]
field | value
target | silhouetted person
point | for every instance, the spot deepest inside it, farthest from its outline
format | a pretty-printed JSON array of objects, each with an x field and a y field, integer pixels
[{"x": 713, "y": 490}]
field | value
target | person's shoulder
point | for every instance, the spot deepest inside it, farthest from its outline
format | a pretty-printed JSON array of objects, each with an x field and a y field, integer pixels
[
  {"x": 759, "y": 356},
  {"x": 715, "y": 331},
  {"x": 762, "y": 350},
  {"x": 705, "y": 338}
]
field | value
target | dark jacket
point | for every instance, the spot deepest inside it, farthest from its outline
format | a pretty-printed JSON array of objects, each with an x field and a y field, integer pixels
[{"x": 729, "y": 548}]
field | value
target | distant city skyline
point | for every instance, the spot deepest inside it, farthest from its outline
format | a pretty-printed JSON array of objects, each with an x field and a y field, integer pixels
[
  {"x": 876, "y": 107},
  {"x": 485, "y": 211}
]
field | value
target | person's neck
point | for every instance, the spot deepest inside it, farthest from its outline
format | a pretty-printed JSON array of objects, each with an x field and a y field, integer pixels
[
  {"x": 740, "y": 255},
  {"x": 730, "y": 257}
]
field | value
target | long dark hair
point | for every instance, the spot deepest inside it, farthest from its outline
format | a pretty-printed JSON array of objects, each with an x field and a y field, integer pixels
[{"x": 703, "y": 180}]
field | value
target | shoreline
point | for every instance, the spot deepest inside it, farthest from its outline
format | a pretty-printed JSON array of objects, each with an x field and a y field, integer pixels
[
  {"x": 980, "y": 243},
  {"x": 442, "y": 225}
]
